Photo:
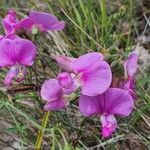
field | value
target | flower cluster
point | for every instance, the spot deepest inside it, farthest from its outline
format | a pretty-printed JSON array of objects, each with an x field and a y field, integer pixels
[
  {"x": 91, "y": 75},
  {"x": 35, "y": 20},
  {"x": 18, "y": 53},
  {"x": 88, "y": 74}
]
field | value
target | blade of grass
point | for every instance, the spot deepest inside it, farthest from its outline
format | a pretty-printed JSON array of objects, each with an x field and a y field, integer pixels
[
  {"x": 96, "y": 43},
  {"x": 17, "y": 126},
  {"x": 104, "y": 16}
]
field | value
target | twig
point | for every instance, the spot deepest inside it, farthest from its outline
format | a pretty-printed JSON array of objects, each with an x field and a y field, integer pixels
[
  {"x": 146, "y": 19},
  {"x": 112, "y": 140}
]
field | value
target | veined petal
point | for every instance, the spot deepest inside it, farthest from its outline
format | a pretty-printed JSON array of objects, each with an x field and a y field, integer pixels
[
  {"x": 114, "y": 101},
  {"x": 117, "y": 101},
  {"x": 25, "y": 51},
  {"x": 109, "y": 124},
  {"x": 14, "y": 50},
  {"x": 51, "y": 90},
  {"x": 86, "y": 61},
  {"x": 89, "y": 106},
  {"x": 10, "y": 75},
  {"x": 130, "y": 65},
  {"x": 55, "y": 105},
  {"x": 96, "y": 79}
]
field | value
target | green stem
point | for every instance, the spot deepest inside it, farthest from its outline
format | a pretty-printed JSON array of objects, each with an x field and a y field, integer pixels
[
  {"x": 41, "y": 131},
  {"x": 131, "y": 8}
]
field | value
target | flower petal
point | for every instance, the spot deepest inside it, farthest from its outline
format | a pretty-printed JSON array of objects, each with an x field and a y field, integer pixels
[
  {"x": 96, "y": 79},
  {"x": 58, "y": 26},
  {"x": 55, "y": 105},
  {"x": 130, "y": 65},
  {"x": 109, "y": 124},
  {"x": 25, "y": 51},
  {"x": 66, "y": 82},
  {"x": 10, "y": 75},
  {"x": 47, "y": 21},
  {"x": 25, "y": 23},
  {"x": 8, "y": 27},
  {"x": 129, "y": 86},
  {"x": 50, "y": 90},
  {"x": 16, "y": 51},
  {"x": 89, "y": 106},
  {"x": 65, "y": 62},
  {"x": 11, "y": 36},
  {"x": 7, "y": 53},
  {"x": 1, "y": 37},
  {"x": 117, "y": 101},
  {"x": 9, "y": 21},
  {"x": 86, "y": 61}
]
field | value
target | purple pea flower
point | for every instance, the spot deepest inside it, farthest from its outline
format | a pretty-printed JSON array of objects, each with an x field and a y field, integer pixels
[
  {"x": 16, "y": 53},
  {"x": 92, "y": 73},
  {"x": 114, "y": 101},
  {"x": 40, "y": 20},
  {"x": 43, "y": 21},
  {"x": 55, "y": 91},
  {"x": 130, "y": 67},
  {"x": 9, "y": 22}
]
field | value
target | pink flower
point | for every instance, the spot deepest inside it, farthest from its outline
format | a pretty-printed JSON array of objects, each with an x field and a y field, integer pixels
[
  {"x": 109, "y": 125},
  {"x": 92, "y": 73},
  {"x": 51, "y": 92},
  {"x": 130, "y": 67},
  {"x": 56, "y": 91},
  {"x": 16, "y": 53},
  {"x": 40, "y": 20},
  {"x": 43, "y": 21},
  {"x": 114, "y": 101},
  {"x": 9, "y": 22}
]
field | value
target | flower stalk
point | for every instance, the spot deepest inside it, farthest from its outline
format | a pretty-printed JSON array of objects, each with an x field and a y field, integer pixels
[{"x": 41, "y": 131}]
